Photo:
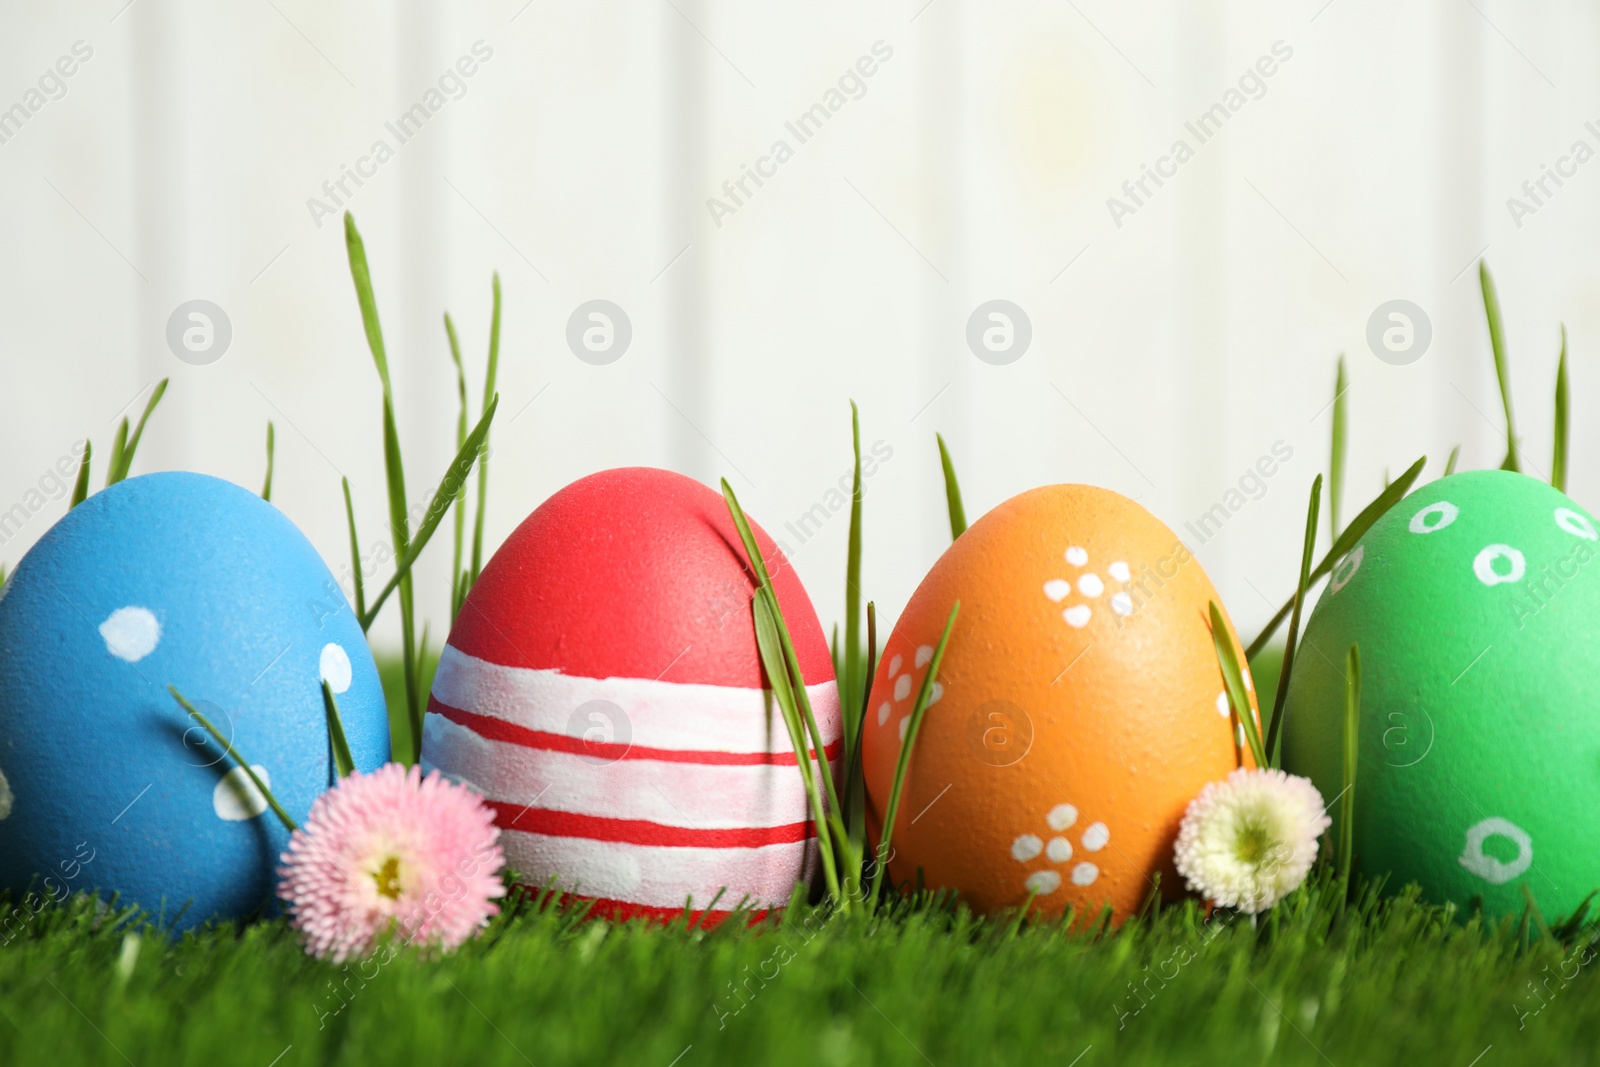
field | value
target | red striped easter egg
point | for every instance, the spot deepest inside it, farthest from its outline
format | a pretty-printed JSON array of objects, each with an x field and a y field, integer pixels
[{"x": 602, "y": 690}]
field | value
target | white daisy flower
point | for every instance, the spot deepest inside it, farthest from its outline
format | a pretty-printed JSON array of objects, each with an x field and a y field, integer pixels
[{"x": 1249, "y": 840}]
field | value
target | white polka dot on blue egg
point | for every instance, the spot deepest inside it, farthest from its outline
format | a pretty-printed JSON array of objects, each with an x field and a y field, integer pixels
[{"x": 188, "y": 581}]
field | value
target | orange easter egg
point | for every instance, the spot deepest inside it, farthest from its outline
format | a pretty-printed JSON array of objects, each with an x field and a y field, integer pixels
[{"x": 1078, "y": 708}]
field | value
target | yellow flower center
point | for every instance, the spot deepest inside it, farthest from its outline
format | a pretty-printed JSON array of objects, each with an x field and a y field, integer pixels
[
  {"x": 388, "y": 878},
  {"x": 1252, "y": 844}
]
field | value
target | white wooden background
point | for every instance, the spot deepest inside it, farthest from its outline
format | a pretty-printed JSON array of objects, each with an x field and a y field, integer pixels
[{"x": 1168, "y": 354}]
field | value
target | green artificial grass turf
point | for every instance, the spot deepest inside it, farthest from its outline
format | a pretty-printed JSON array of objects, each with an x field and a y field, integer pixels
[
  {"x": 1317, "y": 981},
  {"x": 1396, "y": 982}
]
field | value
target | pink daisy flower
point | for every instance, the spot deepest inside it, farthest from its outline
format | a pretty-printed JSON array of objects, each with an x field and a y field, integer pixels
[{"x": 391, "y": 852}]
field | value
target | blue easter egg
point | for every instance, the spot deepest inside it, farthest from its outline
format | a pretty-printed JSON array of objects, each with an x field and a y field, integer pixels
[{"x": 106, "y": 784}]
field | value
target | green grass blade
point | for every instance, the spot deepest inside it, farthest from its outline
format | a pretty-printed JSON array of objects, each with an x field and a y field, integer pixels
[
  {"x": 764, "y": 584},
  {"x": 457, "y": 592},
  {"x": 125, "y": 457},
  {"x": 394, "y": 469},
  {"x": 80, "y": 491},
  {"x": 1307, "y": 548},
  {"x": 952, "y": 491},
  {"x": 456, "y": 474},
  {"x": 491, "y": 375},
  {"x": 855, "y": 786},
  {"x": 1358, "y": 526},
  {"x": 266, "y": 487},
  {"x": 1533, "y": 909},
  {"x": 1337, "y": 449},
  {"x": 1352, "y": 736},
  {"x": 118, "y": 444},
  {"x": 918, "y": 711},
  {"x": 399, "y": 530},
  {"x": 1450, "y": 464},
  {"x": 341, "y": 747},
  {"x": 1558, "y": 461},
  {"x": 1233, "y": 679},
  {"x": 361, "y": 275},
  {"x": 272, "y": 801},
  {"x": 769, "y": 644},
  {"x": 1497, "y": 343},
  {"x": 852, "y": 681},
  {"x": 355, "y": 555}
]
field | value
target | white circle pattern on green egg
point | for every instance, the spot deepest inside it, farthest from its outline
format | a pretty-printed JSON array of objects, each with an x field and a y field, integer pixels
[{"x": 1476, "y": 604}]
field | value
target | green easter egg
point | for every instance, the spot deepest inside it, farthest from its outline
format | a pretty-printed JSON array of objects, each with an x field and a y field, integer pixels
[{"x": 1476, "y": 605}]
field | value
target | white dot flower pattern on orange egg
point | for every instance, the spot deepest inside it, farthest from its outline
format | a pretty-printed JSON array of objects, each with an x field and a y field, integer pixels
[
  {"x": 907, "y": 684},
  {"x": 1090, "y": 587},
  {"x": 1058, "y": 850}
]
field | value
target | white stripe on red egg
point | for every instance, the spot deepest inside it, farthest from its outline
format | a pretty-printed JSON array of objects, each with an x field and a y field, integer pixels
[
  {"x": 657, "y": 876},
  {"x": 702, "y": 793},
  {"x": 669, "y": 793},
  {"x": 661, "y": 715}
]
